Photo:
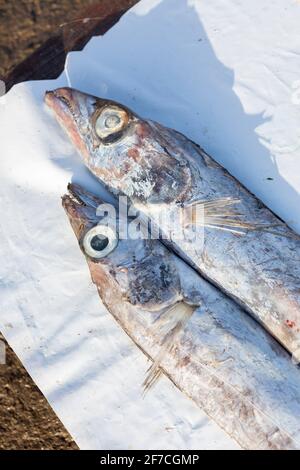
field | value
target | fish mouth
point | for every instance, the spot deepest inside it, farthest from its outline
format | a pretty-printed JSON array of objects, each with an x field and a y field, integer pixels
[
  {"x": 67, "y": 101},
  {"x": 65, "y": 106},
  {"x": 73, "y": 110},
  {"x": 80, "y": 206},
  {"x": 61, "y": 100},
  {"x": 82, "y": 197}
]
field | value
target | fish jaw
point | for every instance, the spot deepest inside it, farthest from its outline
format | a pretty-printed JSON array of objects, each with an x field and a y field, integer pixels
[
  {"x": 73, "y": 110},
  {"x": 80, "y": 207},
  {"x": 61, "y": 101}
]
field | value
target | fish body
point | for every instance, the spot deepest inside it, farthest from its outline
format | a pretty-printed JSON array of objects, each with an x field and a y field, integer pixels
[
  {"x": 192, "y": 332},
  {"x": 161, "y": 171}
]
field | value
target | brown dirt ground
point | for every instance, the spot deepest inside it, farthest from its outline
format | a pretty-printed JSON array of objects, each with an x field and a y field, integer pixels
[
  {"x": 26, "y": 419},
  {"x": 26, "y": 24}
]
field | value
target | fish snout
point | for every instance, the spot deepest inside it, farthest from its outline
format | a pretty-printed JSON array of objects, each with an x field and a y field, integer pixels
[
  {"x": 66, "y": 104},
  {"x": 79, "y": 215},
  {"x": 81, "y": 206},
  {"x": 61, "y": 97},
  {"x": 72, "y": 99},
  {"x": 72, "y": 207}
]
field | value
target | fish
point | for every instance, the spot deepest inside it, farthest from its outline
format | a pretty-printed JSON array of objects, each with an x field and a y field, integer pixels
[
  {"x": 190, "y": 331},
  {"x": 237, "y": 243}
]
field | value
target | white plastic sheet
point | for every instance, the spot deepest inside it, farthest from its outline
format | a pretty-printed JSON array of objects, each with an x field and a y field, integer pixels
[{"x": 224, "y": 73}]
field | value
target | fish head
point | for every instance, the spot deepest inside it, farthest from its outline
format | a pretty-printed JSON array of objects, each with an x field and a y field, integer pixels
[
  {"x": 130, "y": 155},
  {"x": 142, "y": 270}
]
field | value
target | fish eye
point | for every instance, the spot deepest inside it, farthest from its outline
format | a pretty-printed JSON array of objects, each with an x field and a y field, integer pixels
[
  {"x": 110, "y": 122},
  {"x": 99, "y": 241}
]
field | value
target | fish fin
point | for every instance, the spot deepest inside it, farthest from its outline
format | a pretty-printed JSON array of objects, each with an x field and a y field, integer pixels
[
  {"x": 215, "y": 213},
  {"x": 212, "y": 204},
  {"x": 167, "y": 326},
  {"x": 219, "y": 214}
]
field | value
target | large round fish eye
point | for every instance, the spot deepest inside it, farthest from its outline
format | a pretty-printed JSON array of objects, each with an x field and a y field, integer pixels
[
  {"x": 110, "y": 122},
  {"x": 99, "y": 241}
]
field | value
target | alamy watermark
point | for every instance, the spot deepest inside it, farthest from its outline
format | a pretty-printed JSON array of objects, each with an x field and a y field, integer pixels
[{"x": 178, "y": 222}]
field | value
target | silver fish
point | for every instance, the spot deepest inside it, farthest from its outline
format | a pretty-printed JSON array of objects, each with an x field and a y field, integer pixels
[
  {"x": 247, "y": 251},
  {"x": 193, "y": 333}
]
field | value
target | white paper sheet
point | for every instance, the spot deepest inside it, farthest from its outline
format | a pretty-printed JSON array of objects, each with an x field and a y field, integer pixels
[{"x": 224, "y": 73}]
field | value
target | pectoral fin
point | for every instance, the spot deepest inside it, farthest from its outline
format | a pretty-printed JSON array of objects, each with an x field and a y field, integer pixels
[
  {"x": 167, "y": 327},
  {"x": 221, "y": 215}
]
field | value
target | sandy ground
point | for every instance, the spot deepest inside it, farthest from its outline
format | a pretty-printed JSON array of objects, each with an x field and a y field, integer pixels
[
  {"x": 26, "y": 24},
  {"x": 26, "y": 419}
]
